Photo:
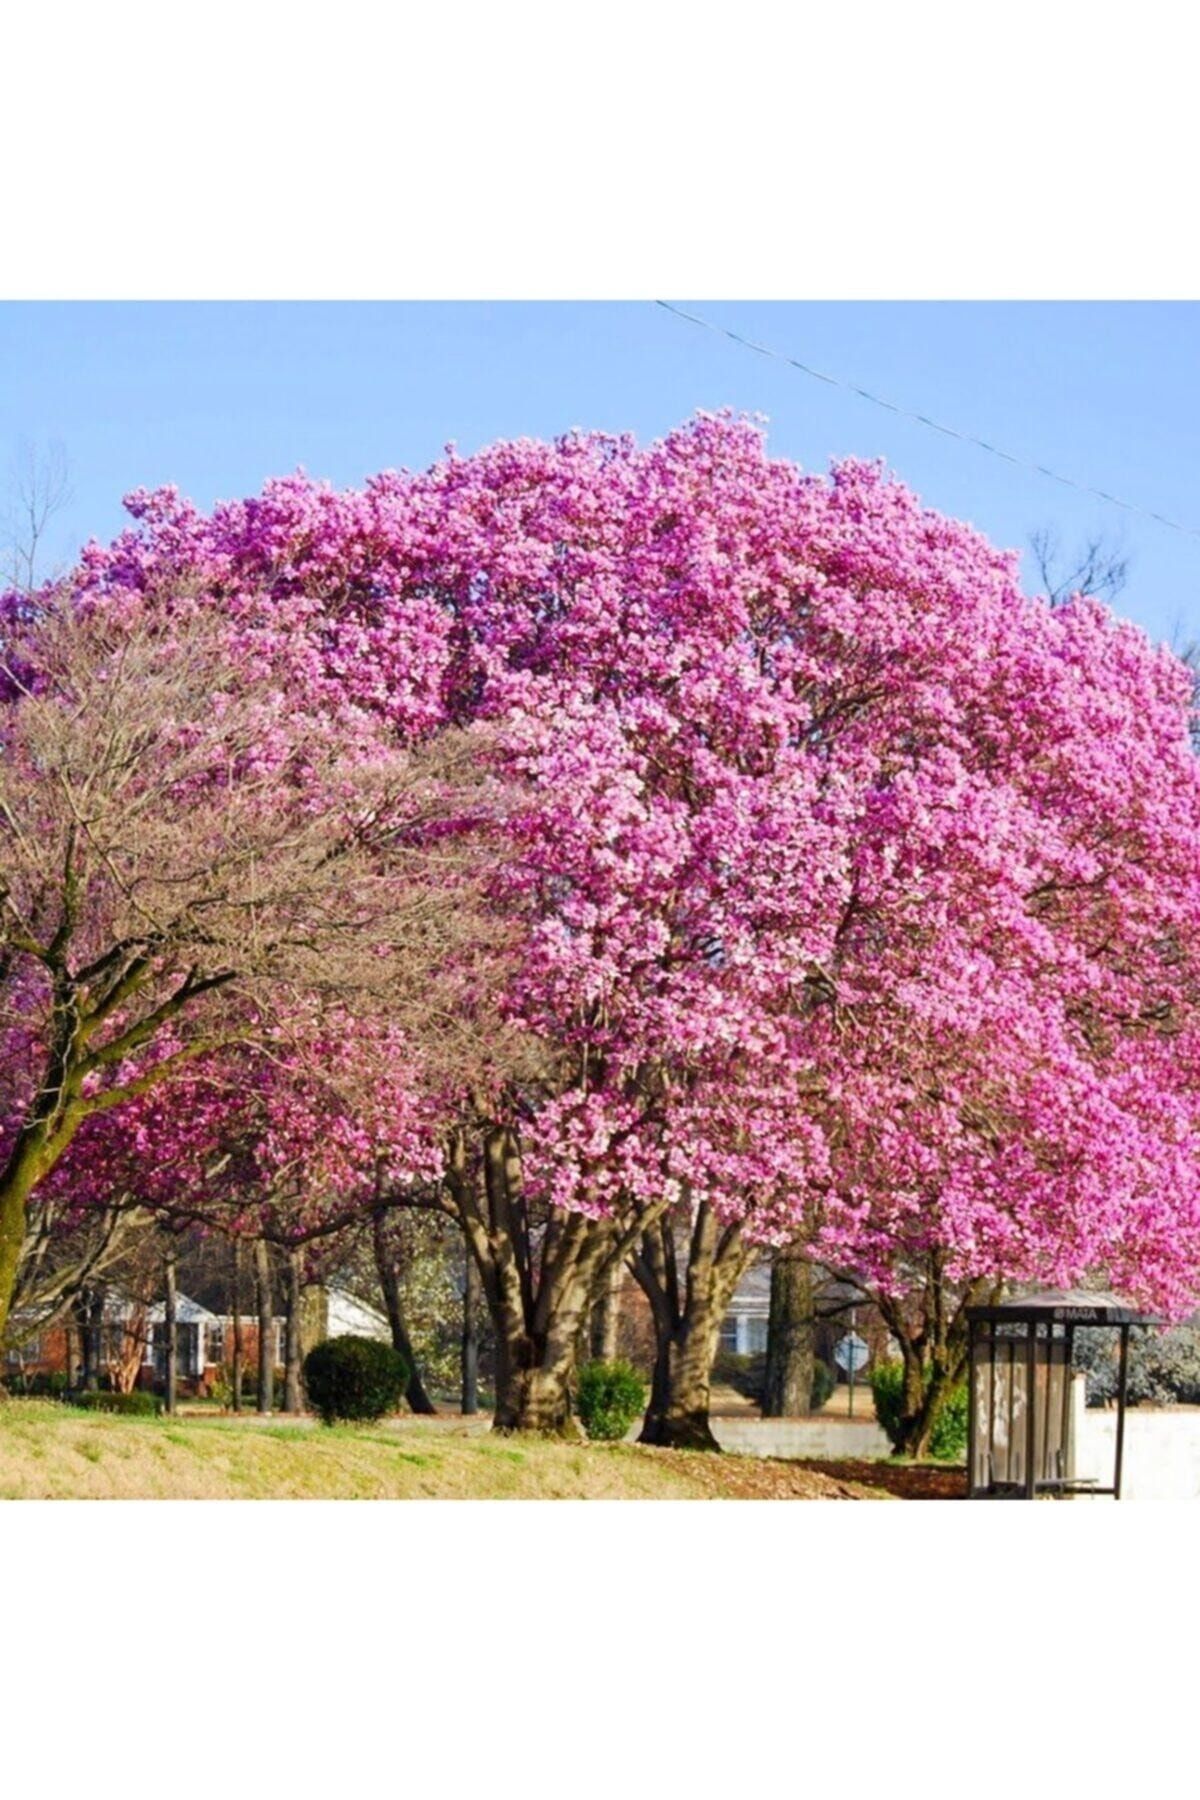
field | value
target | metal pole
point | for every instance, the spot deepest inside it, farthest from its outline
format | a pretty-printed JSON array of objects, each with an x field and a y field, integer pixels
[
  {"x": 1067, "y": 1470},
  {"x": 852, "y": 1348},
  {"x": 993, "y": 1371},
  {"x": 1122, "y": 1380},
  {"x": 1030, "y": 1412},
  {"x": 971, "y": 1423},
  {"x": 1010, "y": 1446}
]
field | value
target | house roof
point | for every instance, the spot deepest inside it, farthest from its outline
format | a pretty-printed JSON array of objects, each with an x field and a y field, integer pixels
[{"x": 187, "y": 1312}]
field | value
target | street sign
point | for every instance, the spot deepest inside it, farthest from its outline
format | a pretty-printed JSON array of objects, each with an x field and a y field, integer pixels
[{"x": 851, "y": 1353}]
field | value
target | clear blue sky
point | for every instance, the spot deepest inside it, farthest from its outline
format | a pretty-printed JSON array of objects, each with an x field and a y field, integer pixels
[{"x": 215, "y": 397}]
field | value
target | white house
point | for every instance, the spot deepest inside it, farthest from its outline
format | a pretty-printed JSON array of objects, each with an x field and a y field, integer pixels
[{"x": 744, "y": 1327}]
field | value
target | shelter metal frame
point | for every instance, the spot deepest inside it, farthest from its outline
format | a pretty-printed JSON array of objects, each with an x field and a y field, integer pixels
[{"x": 1042, "y": 1327}]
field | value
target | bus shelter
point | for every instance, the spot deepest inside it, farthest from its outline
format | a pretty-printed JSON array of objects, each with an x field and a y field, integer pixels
[{"x": 1019, "y": 1392}]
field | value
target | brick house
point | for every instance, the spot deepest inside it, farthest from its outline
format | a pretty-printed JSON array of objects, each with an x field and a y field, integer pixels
[{"x": 132, "y": 1348}]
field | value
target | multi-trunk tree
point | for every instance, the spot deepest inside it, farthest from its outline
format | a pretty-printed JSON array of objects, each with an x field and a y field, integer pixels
[{"x": 831, "y": 886}]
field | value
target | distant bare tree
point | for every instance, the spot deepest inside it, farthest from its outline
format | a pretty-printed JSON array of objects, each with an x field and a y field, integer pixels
[
  {"x": 1099, "y": 567},
  {"x": 39, "y": 486},
  {"x": 158, "y": 889}
]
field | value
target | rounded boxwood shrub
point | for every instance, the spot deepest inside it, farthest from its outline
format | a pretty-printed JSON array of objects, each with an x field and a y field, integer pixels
[
  {"x": 610, "y": 1396},
  {"x": 138, "y": 1404},
  {"x": 354, "y": 1378}
]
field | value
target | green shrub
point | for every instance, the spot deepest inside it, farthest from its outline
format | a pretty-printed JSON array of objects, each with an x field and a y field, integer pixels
[
  {"x": 948, "y": 1439},
  {"x": 610, "y": 1396},
  {"x": 823, "y": 1383},
  {"x": 50, "y": 1385},
  {"x": 887, "y": 1391},
  {"x": 138, "y": 1404},
  {"x": 354, "y": 1378}
]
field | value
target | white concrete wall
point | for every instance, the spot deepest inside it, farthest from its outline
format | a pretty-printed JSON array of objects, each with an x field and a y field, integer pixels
[
  {"x": 1162, "y": 1451},
  {"x": 816, "y": 1437}
]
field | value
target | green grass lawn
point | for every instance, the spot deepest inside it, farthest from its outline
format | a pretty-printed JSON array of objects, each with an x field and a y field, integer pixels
[{"x": 53, "y": 1452}]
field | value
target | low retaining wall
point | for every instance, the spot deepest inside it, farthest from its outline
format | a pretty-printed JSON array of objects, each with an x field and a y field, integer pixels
[
  {"x": 1162, "y": 1451},
  {"x": 818, "y": 1437}
]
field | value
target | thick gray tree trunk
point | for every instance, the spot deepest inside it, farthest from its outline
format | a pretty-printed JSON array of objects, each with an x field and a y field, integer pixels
[
  {"x": 91, "y": 1312},
  {"x": 293, "y": 1388},
  {"x": 170, "y": 1333},
  {"x": 540, "y": 1277},
  {"x": 264, "y": 1304},
  {"x": 389, "y": 1281},
  {"x": 787, "y": 1390},
  {"x": 606, "y": 1317},
  {"x": 472, "y": 1297},
  {"x": 236, "y": 1312},
  {"x": 72, "y": 1335},
  {"x": 688, "y": 1307}
]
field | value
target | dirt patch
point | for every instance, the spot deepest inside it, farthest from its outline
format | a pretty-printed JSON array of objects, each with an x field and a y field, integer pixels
[
  {"x": 728, "y": 1477},
  {"x": 903, "y": 1481}
]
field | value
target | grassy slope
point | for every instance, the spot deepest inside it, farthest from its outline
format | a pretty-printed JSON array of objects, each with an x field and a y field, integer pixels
[{"x": 51, "y": 1452}]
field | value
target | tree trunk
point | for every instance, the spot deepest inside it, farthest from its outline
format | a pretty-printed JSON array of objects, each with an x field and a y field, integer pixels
[
  {"x": 533, "y": 1385},
  {"x": 389, "y": 1281},
  {"x": 236, "y": 1311},
  {"x": 170, "y": 1344},
  {"x": 263, "y": 1302},
  {"x": 606, "y": 1316},
  {"x": 925, "y": 1393},
  {"x": 72, "y": 1336},
  {"x": 91, "y": 1315},
  {"x": 687, "y": 1324},
  {"x": 677, "y": 1416},
  {"x": 934, "y": 1351},
  {"x": 96, "y": 1334},
  {"x": 472, "y": 1293},
  {"x": 34, "y": 1152},
  {"x": 540, "y": 1281},
  {"x": 787, "y": 1389},
  {"x": 293, "y": 1397}
]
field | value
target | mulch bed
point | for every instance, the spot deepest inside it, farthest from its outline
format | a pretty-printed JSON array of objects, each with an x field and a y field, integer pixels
[
  {"x": 907, "y": 1481},
  {"x": 761, "y": 1478},
  {"x": 732, "y": 1477}
]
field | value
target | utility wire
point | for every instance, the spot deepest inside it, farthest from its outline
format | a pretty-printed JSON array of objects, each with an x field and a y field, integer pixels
[{"x": 964, "y": 437}]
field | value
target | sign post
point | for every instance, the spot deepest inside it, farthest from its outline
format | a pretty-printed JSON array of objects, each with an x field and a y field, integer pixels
[{"x": 851, "y": 1354}]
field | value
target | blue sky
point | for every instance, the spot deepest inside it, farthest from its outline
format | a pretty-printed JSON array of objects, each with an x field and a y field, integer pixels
[{"x": 215, "y": 397}]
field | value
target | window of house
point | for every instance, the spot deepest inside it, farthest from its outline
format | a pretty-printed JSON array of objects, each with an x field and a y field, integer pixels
[
  {"x": 215, "y": 1342},
  {"x": 28, "y": 1352},
  {"x": 729, "y": 1332},
  {"x": 756, "y": 1336}
]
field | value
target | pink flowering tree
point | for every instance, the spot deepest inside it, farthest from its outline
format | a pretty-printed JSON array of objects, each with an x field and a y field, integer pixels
[
  {"x": 823, "y": 866},
  {"x": 1010, "y": 1090},
  {"x": 182, "y": 851},
  {"x": 281, "y": 1139}
]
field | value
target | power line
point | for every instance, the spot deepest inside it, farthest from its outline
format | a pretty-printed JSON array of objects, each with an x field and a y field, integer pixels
[{"x": 964, "y": 437}]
